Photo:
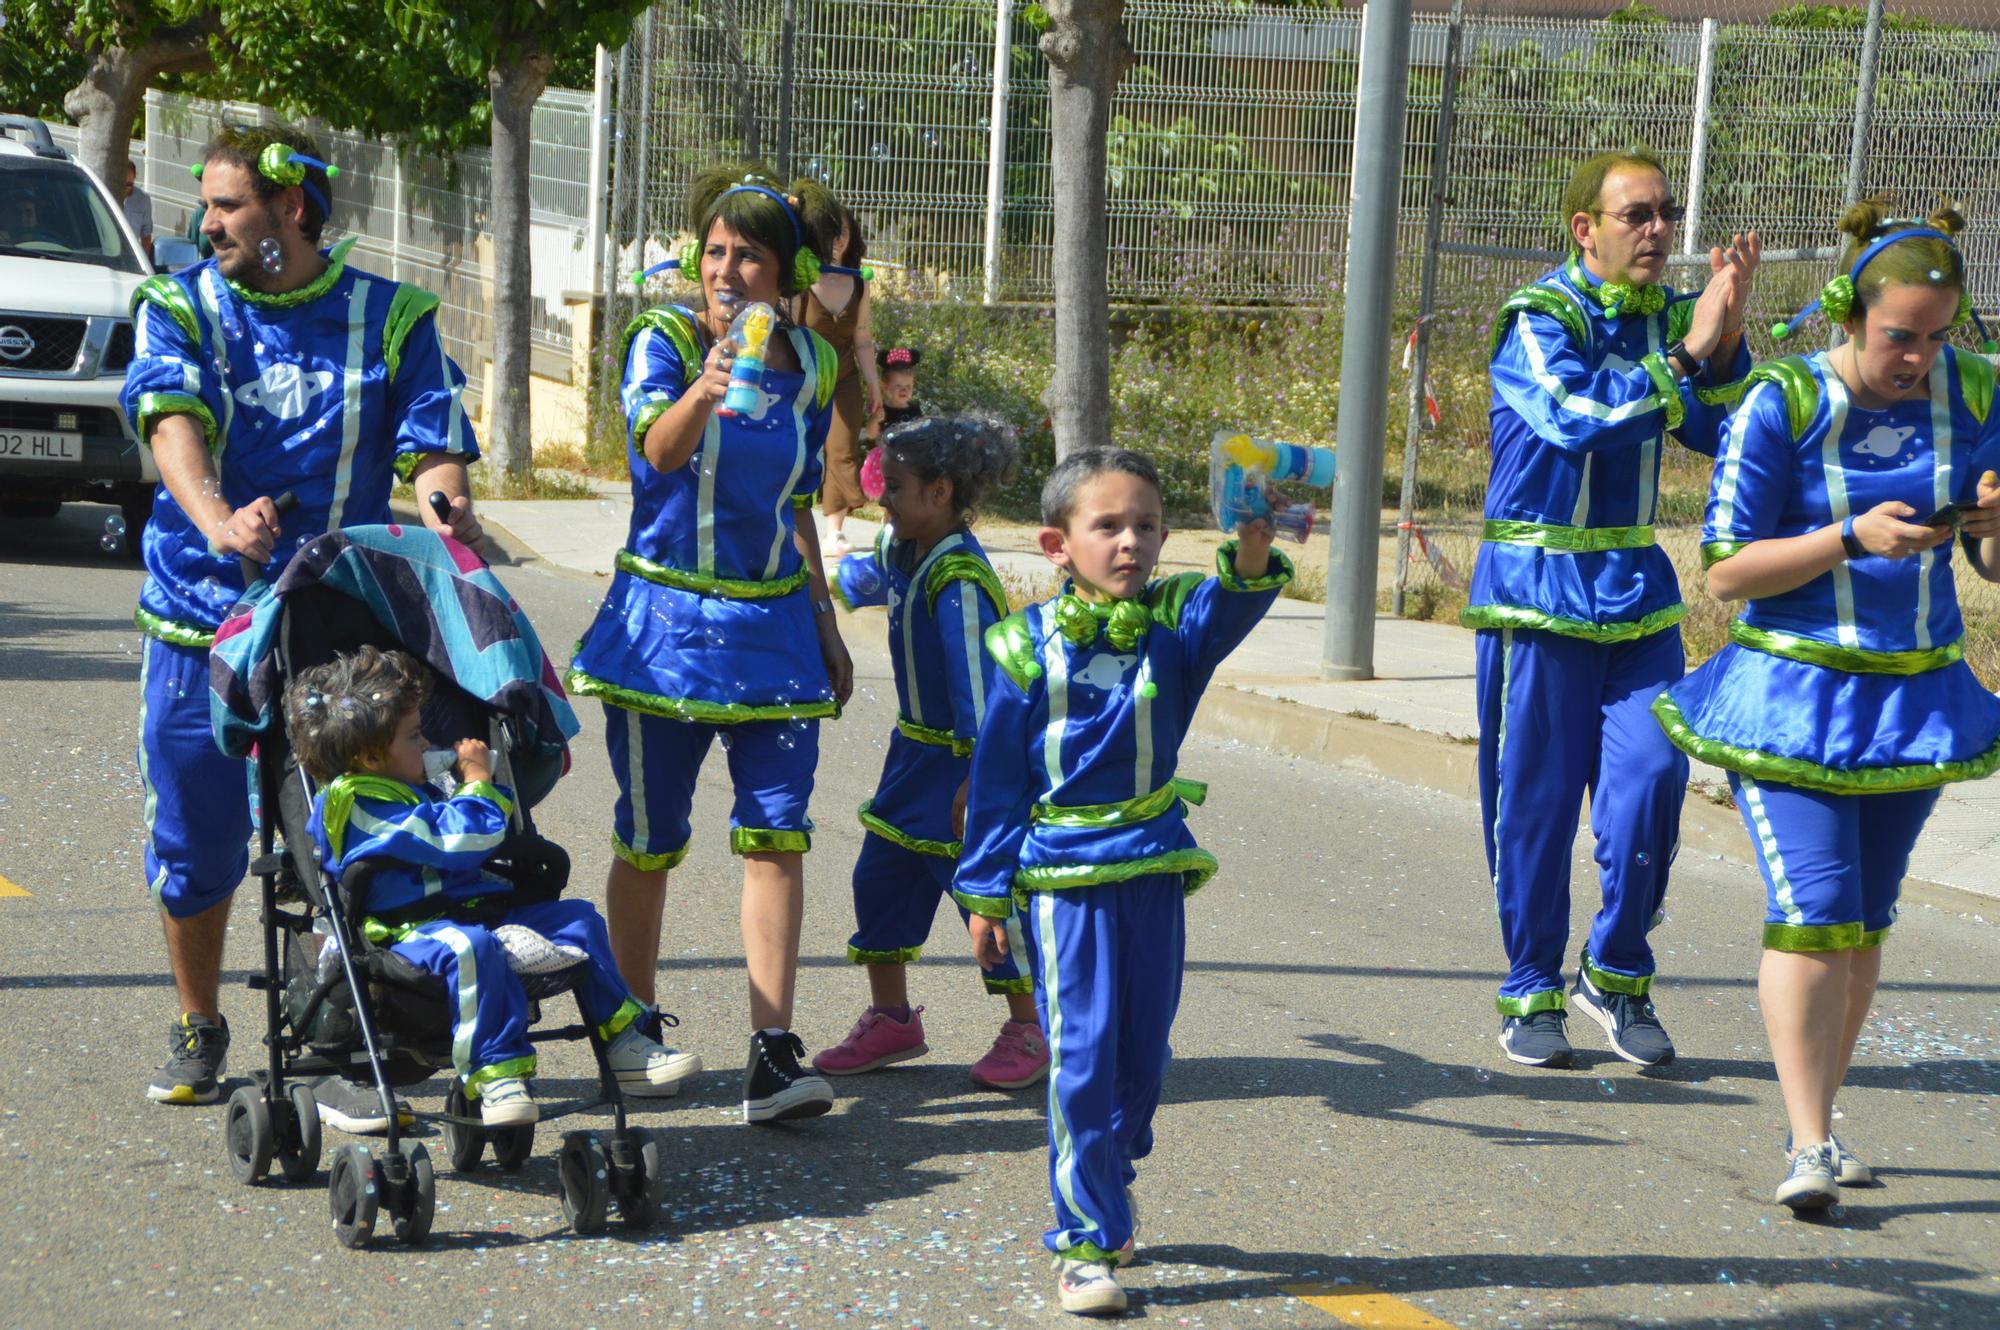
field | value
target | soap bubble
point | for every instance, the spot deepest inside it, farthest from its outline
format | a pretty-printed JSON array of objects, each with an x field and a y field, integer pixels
[
  {"x": 1644, "y": 859},
  {"x": 786, "y": 741},
  {"x": 861, "y": 106},
  {"x": 728, "y": 741},
  {"x": 930, "y": 138},
  {"x": 114, "y": 525},
  {"x": 879, "y": 151},
  {"x": 1606, "y": 1087},
  {"x": 715, "y": 636},
  {"x": 107, "y": 542},
  {"x": 270, "y": 256}
]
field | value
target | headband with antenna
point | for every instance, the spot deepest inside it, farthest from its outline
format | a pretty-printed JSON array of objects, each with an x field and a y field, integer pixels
[
  {"x": 1837, "y": 297},
  {"x": 806, "y": 265},
  {"x": 282, "y": 164}
]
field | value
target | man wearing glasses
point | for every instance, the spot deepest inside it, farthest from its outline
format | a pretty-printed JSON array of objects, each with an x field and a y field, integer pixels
[{"x": 1593, "y": 367}]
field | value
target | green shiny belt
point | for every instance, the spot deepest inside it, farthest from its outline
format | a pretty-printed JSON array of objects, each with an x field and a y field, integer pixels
[
  {"x": 924, "y": 734},
  {"x": 728, "y": 588},
  {"x": 1852, "y": 660},
  {"x": 1125, "y": 811},
  {"x": 1570, "y": 539}
]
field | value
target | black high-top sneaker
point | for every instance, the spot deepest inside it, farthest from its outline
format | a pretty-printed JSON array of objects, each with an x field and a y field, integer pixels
[{"x": 775, "y": 1087}]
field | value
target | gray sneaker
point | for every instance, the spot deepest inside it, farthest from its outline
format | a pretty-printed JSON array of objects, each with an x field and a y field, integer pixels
[
  {"x": 193, "y": 1074},
  {"x": 1537, "y": 1040},
  {"x": 1847, "y": 1170},
  {"x": 1088, "y": 1288},
  {"x": 355, "y": 1108},
  {"x": 1629, "y": 1022},
  {"x": 1809, "y": 1183}
]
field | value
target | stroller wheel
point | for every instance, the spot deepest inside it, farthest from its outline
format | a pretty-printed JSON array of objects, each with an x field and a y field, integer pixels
[
  {"x": 415, "y": 1202},
  {"x": 354, "y": 1194},
  {"x": 247, "y": 1134},
  {"x": 586, "y": 1182},
  {"x": 299, "y": 1137},
  {"x": 462, "y": 1144},
  {"x": 641, "y": 1188},
  {"x": 513, "y": 1145}
]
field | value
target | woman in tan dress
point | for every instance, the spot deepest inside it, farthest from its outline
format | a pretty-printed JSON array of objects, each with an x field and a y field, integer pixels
[{"x": 836, "y": 307}]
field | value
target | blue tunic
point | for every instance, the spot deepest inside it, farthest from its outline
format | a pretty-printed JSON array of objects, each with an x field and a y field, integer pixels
[
  {"x": 1582, "y": 403},
  {"x": 707, "y": 616},
  {"x": 433, "y": 851},
  {"x": 330, "y": 392},
  {"x": 939, "y": 610},
  {"x": 1855, "y": 682}
]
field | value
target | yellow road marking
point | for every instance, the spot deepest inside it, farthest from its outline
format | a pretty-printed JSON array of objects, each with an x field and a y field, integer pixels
[
  {"x": 1361, "y": 1305},
  {"x": 12, "y": 889}
]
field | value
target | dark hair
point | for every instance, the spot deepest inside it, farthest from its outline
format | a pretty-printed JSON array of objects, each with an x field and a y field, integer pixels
[
  {"x": 972, "y": 452},
  {"x": 243, "y": 145},
  {"x": 344, "y": 712},
  {"x": 1586, "y": 184},
  {"x": 764, "y": 219},
  {"x": 1059, "y": 490},
  {"x": 857, "y": 242},
  {"x": 907, "y": 357},
  {"x": 1919, "y": 261}
]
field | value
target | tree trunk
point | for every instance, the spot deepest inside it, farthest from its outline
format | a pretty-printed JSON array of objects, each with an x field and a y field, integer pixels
[
  {"x": 106, "y": 103},
  {"x": 1087, "y": 55},
  {"x": 514, "y": 88}
]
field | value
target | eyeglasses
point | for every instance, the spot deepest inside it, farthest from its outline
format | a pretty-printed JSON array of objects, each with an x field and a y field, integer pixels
[{"x": 1643, "y": 216}]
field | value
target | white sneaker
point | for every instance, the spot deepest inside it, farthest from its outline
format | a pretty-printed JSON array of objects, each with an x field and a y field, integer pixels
[
  {"x": 507, "y": 1103},
  {"x": 1088, "y": 1288},
  {"x": 838, "y": 546},
  {"x": 647, "y": 1069}
]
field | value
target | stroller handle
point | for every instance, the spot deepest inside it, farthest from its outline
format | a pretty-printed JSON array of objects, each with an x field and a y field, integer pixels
[{"x": 253, "y": 572}]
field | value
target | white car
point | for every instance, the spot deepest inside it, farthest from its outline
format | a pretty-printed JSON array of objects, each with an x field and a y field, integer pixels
[{"x": 68, "y": 267}]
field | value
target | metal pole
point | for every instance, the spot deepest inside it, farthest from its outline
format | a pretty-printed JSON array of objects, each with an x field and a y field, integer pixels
[
  {"x": 1864, "y": 99},
  {"x": 645, "y": 97},
  {"x": 996, "y": 141},
  {"x": 1704, "y": 88},
  {"x": 608, "y": 372},
  {"x": 600, "y": 158},
  {"x": 1427, "y": 296},
  {"x": 1352, "y": 556},
  {"x": 399, "y": 225},
  {"x": 1354, "y": 152},
  {"x": 788, "y": 28}
]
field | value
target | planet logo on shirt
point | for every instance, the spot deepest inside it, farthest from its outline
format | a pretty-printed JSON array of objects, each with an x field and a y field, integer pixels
[
  {"x": 1105, "y": 672},
  {"x": 285, "y": 390},
  {"x": 1883, "y": 441}
]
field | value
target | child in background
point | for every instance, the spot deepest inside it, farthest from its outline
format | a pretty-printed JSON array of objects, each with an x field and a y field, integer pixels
[
  {"x": 899, "y": 386},
  {"x": 1075, "y": 820},
  {"x": 354, "y": 725},
  {"x": 942, "y": 596}
]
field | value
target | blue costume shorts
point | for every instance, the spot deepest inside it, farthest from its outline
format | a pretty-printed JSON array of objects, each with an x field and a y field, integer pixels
[
  {"x": 896, "y": 892},
  {"x": 198, "y": 801},
  {"x": 656, "y": 761},
  {"x": 1833, "y": 864}
]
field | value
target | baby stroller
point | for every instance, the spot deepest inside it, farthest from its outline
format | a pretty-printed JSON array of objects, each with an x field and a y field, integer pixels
[{"x": 335, "y": 1002}]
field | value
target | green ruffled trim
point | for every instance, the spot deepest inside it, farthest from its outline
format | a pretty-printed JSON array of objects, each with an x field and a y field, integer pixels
[
  {"x": 1797, "y": 771},
  {"x": 1680, "y": 320},
  {"x": 728, "y": 588},
  {"x": 1122, "y": 812},
  {"x": 1795, "y": 379},
  {"x": 648, "y": 863},
  {"x": 766, "y": 840},
  {"x": 1715, "y": 551},
  {"x": 336, "y": 264},
  {"x": 1975, "y": 383},
  {"x": 1520, "y": 616},
  {"x": 486, "y": 790},
  {"x": 1821, "y": 937},
  {"x": 1549, "y": 301},
  {"x": 694, "y": 708},
  {"x": 960, "y": 567},
  {"x": 1195, "y": 866},
  {"x": 1551, "y": 1000},
  {"x": 172, "y": 297},
  {"x": 154, "y": 405},
  {"x": 337, "y": 801},
  {"x": 1225, "y": 571},
  {"x": 1666, "y": 387},
  {"x": 1848, "y": 660},
  {"x": 628, "y": 1011},
  {"x": 1167, "y": 599},
  {"x": 677, "y": 328},
  {"x": 942, "y": 849},
  {"x": 1570, "y": 539},
  {"x": 641, "y": 423},
  {"x": 506, "y": 1069},
  {"x": 172, "y": 631},
  {"x": 407, "y": 308},
  {"x": 1025, "y": 984},
  {"x": 1011, "y": 643},
  {"x": 1088, "y": 1251},
  {"x": 924, "y": 734},
  {"x": 1610, "y": 982},
  {"x": 801, "y": 502},
  {"x": 992, "y": 907},
  {"x": 896, "y": 956}
]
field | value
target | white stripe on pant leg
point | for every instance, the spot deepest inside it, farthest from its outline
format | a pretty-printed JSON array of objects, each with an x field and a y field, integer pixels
[
  {"x": 150, "y": 809},
  {"x": 1017, "y": 946},
  {"x": 635, "y": 781},
  {"x": 1767, "y": 847},
  {"x": 468, "y": 998},
  {"x": 1500, "y": 753},
  {"x": 1043, "y": 903}
]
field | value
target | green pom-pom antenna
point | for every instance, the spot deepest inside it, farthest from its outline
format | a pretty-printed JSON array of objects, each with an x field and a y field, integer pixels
[{"x": 1780, "y": 331}]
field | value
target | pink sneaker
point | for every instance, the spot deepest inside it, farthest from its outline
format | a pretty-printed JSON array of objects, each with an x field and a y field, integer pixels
[
  {"x": 876, "y": 1040},
  {"x": 1018, "y": 1058}
]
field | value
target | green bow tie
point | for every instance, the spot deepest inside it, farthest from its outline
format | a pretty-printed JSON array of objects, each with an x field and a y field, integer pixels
[
  {"x": 1619, "y": 297},
  {"x": 1122, "y": 622}
]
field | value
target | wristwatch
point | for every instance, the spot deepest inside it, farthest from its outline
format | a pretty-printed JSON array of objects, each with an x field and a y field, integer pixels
[
  {"x": 1681, "y": 359},
  {"x": 820, "y": 607},
  {"x": 1851, "y": 542}
]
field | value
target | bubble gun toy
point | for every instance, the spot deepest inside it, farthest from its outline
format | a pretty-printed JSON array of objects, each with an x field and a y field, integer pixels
[
  {"x": 751, "y": 331},
  {"x": 1240, "y": 469}
]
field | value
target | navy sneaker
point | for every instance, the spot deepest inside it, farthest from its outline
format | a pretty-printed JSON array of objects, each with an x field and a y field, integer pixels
[
  {"x": 1535, "y": 1041},
  {"x": 1629, "y": 1022},
  {"x": 1809, "y": 1182},
  {"x": 193, "y": 1074}
]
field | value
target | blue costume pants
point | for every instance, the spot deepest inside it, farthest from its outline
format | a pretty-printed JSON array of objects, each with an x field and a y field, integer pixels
[
  {"x": 1559, "y": 716},
  {"x": 1107, "y": 966},
  {"x": 1833, "y": 864},
  {"x": 198, "y": 801},
  {"x": 489, "y": 1027},
  {"x": 896, "y": 892},
  {"x": 657, "y": 761}
]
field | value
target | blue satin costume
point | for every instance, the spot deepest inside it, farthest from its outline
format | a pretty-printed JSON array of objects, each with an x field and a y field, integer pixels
[
  {"x": 1839, "y": 708},
  {"x": 707, "y": 629},
  {"x": 331, "y": 392},
  {"x": 1575, "y": 606},
  {"x": 1075, "y": 823},
  {"x": 429, "y": 854},
  {"x": 940, "y": 606}
]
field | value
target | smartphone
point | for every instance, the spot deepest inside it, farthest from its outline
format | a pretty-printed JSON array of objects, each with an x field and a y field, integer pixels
[{"x": 1951, "y": 515}]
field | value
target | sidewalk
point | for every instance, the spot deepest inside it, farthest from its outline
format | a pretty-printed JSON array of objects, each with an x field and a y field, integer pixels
[{"x": 1414, "y": 722}]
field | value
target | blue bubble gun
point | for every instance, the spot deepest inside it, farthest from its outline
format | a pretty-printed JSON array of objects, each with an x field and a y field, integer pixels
[
  {"x": 751, "y": 332},
  {"x": 1241, "y": 469}
]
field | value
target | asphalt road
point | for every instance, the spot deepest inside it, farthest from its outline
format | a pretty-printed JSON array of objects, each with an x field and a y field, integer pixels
[{"x": 1338, "y": 1114}]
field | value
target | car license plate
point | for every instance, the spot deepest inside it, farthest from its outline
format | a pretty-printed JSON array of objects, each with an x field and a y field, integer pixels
[{"x": 40, "y": 446}]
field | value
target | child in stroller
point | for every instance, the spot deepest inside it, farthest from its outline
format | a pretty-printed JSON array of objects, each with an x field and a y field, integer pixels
[{"x": 355, "y": 725}]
